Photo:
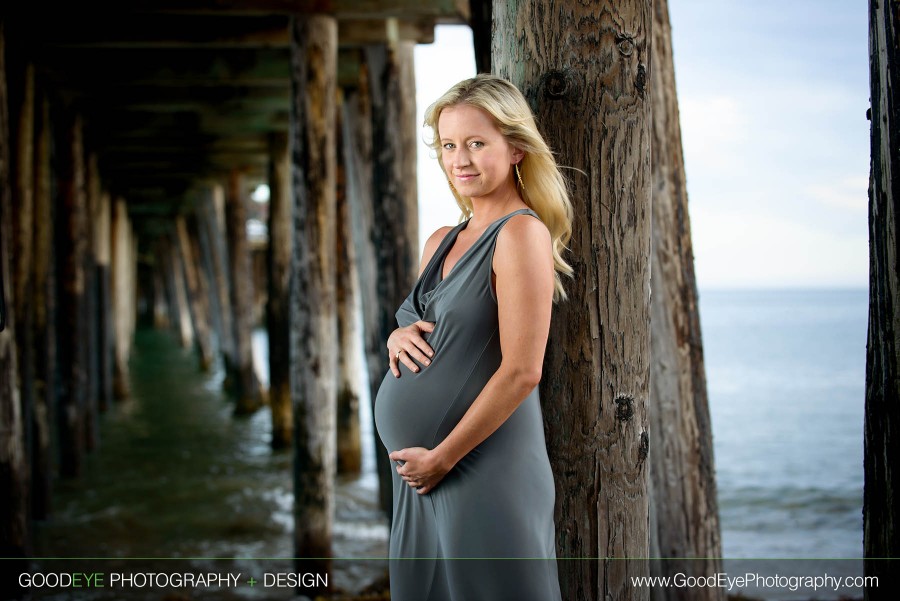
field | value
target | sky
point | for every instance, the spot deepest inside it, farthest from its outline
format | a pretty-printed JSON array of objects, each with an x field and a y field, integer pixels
[{"x": 772, "y": 97}]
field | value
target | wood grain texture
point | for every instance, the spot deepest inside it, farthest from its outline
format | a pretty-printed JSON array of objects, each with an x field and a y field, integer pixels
[
  {"x": 684, "y": 510},
  {"x": 246, "y": 383},
  {"x": 14, "y": 541},
  {"x": 278, "y": 257},
  {"x": 881, "y": 512},
  {"x": 313, "y": 316},
  {"x": 584, "y": 68},
  {"x": 392, "y": 233},
  {"x": 72, "y": 259}
]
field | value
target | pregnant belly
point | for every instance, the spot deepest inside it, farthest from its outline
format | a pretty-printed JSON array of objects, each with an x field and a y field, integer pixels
[{"x": 409, "y": 409}]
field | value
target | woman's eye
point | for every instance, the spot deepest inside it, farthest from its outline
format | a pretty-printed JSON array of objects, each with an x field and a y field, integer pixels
[
  {"x": 477, "y": 144},
  {"x": 448, "y": 146}
]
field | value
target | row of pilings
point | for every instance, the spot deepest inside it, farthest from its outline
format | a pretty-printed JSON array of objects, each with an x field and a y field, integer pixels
[{"x": 81, "y": 270}]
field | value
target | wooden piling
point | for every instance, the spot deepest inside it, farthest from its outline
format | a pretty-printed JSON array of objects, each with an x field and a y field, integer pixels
[
  {"x": 22, "y": 216},
  {"x": 121, "y": 284},
  {"x": 213, "y": 241},
  {"x": 194, "y": 296},
  {"x": 44, "y": 302},
  {"x": 392, "y": 234},
  {"x": 91, "y": 309},
  {"x": 684, "y": 513},
  {"x": 105, "y": 336},
  {"x": 313, "y": 325},
  {"x": 278, "y": 259},
  {"x": 160, "y": 302},
  {"x": 881, "y": 430},
  {"x": 203, "y": 273},
  {"x": 349, "y": 451},
  {"x": 72, "y": 259},
  {"x": 591, "y": 100},
  {"x": 178, "y": 290},
  {"x": 246, "y": 388},
  {"x": 13, "y": 468}
]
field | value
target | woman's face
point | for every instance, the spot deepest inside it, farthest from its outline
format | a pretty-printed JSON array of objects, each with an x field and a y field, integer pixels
[{"x": 476, "y": 156}]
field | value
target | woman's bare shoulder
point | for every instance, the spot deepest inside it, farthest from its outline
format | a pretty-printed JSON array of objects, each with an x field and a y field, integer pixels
[{"x": 522, "y": 232}]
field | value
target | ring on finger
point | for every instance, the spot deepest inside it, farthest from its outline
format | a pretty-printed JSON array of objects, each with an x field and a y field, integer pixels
[{"x": 398, "y": 354}]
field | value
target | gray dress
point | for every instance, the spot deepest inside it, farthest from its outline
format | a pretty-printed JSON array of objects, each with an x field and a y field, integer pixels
[{"x": 486, "y": 531}]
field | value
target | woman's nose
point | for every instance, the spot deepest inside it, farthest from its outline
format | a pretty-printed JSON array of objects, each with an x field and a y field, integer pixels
[{"x": 461, "y": 158}]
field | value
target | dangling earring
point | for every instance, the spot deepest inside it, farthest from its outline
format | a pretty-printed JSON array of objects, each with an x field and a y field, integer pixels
[
  {"x": 519, "y": 175},
  {"x": 451, "y": 184}
]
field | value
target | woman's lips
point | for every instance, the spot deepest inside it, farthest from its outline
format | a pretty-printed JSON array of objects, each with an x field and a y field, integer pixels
[{"x": 465, "y": 177}]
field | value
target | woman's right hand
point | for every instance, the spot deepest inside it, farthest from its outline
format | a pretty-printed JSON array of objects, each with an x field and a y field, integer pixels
[{"x": 405, "y": 344}]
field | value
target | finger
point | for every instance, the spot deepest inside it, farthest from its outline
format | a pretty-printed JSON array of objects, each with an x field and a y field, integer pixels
[
  {"x": 392, "y": 362},
  {"x": 426, "y": 326},
  {"x": 419, "y": 354},
  {"x": 408, "y": 362},
  {"x": 422, "y": 348}
]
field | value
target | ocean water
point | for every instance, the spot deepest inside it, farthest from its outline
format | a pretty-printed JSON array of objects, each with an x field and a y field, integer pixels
[{"x": 786, "y": 381}]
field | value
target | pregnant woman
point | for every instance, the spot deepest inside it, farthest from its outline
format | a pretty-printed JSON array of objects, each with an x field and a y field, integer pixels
[{"x": 458, "y": 411}]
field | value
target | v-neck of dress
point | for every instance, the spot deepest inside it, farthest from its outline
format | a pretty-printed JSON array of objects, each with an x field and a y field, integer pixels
[{"x": 468, "y": 251}]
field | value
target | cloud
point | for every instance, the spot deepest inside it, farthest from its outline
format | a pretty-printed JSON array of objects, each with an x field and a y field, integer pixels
[
  {"x": 749, "y": 249},
  {"x": 713, "y": 127},
  {"x": 849, "y": 192}
]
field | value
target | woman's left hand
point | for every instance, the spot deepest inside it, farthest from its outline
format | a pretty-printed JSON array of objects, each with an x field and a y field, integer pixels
[{"x": 422, "y": 468}]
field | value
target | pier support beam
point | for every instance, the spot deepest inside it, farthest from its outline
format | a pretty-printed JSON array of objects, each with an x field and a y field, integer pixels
[
  {"x": 278, "y": 258},
  {"x": 122, "y": 285},
  {"x": 13, "y": 468},
  {"x": 105, "y": 338},
  {"x": 44, "y": 300},
  {"x": 392, "y": 234},
  {"x": 175, "y": 271},
  {"x": 313, "y": 315},
  {"x": 592, "y": 102},
  {"x": 197, "y": 299},
  {"x": 246, "y": 383},
  {"x": 22, "y": 218},
  {"x": 349, "y": 452},
  {"x": 73, "y": 349},
  {"x": 91, "y": 311}
]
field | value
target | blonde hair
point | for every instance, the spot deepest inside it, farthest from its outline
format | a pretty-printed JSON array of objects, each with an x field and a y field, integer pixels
[{"x": 546, "y": 192}]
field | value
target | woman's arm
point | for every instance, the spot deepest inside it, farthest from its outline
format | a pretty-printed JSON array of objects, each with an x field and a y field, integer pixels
[{"x": 523, "y": 263}]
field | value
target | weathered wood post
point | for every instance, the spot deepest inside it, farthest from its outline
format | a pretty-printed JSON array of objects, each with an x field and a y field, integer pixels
[
  {"x": 91, "y": 313},
  {"x": 13, "y": 468},
  {"x": 161, "y": 310},
  {"x": 211, "y": 216},
  {"x": 22, "y": 218},
  {"x": 175, "y": 270},
  {"x": 313, "y": 319},
  {"x": 195, "y": 296},
  {"x": 203, "y": 271},
  {"x": 278, "y": 258},
  {"x": 44, "y": 300},
  {"x": 200, "y": 232},
  {"x": 591, "y": 100},
  {"x": 247, "y": 389},
  {"x": 684, "y": 512},
  {"x": 392, "y": 236},
  {"x": 106, "y": 345},
  {"x": 120, "y": 285},
  {"x": 481, "y": 19},
  {"x": 881, "y": 512},
  {"x": 349, "y": 451},
  {"x": 356, "y": 126},
  {"x": 73, "y": 303}
]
